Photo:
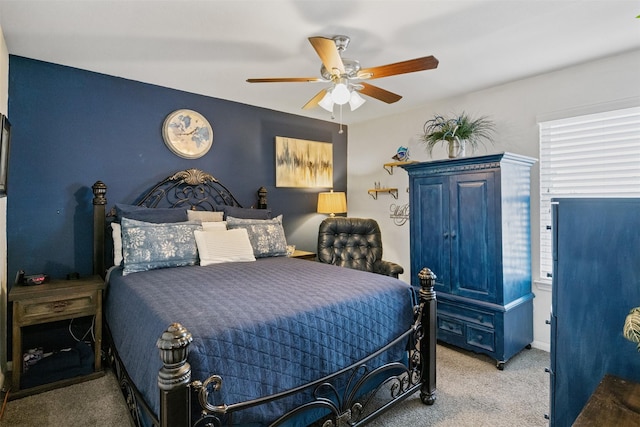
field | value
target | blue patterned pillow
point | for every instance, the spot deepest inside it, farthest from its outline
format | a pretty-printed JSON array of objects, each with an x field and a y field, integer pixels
[
  {"x": 266, "y": 235},
  {"x": 147, "y": 246}
]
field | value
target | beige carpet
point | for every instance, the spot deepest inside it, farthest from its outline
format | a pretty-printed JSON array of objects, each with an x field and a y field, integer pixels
[
  {"x": 471, "y": 392},
  {"x": 93, "y": 403}
]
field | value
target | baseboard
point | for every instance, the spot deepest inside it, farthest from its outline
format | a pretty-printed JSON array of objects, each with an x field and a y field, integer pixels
[{"x": 541, "y": 346}]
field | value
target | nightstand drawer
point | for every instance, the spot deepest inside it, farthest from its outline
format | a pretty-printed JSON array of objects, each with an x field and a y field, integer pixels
[{"x": 36, "y": 310}]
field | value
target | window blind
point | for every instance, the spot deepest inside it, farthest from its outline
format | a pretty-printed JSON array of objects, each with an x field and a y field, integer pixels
[{"x": 595, "y": 155}]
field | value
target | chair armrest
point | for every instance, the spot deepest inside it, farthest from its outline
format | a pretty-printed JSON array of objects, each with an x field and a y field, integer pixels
[{"x": 388, "y": 268}]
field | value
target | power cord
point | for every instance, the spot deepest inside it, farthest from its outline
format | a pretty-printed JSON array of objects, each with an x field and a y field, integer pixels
[
  {"x": 4, "y": 403},
  {"x": 89, "y": 331}
]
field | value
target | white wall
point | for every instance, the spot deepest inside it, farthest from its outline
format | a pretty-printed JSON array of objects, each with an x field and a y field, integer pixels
[
  {"x": 4, "y": 101},
  {"x": 516, "y": 108}
]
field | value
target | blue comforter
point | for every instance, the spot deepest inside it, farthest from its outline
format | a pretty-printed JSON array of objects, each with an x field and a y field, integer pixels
[{"x": 263, "y": 326}]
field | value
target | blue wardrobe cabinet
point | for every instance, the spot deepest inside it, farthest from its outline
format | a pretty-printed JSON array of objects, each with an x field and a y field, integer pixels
[{"x": 470, "y": 223}]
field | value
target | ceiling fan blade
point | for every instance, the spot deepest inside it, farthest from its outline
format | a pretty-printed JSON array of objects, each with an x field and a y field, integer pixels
[
  {"x": 380, "y": 94},
  {"x": 410, "y": 66},
  {"x": 286, "y": 80},
  {"x": 313, "y": 102},
  {"x": 328, "y": 53}
]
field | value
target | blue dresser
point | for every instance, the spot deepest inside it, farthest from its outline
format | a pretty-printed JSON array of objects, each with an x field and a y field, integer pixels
[
  {"x": 596, "y": 281},
  {"x": 470, "y": 223}
]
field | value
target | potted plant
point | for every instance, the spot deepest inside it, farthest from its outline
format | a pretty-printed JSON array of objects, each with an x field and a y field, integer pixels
[
  {"x": 631, "y": 329},
  {"x": 457, "y": 132}
]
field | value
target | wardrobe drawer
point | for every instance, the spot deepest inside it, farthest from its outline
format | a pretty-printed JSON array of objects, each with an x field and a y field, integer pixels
[
  {"x": 467, "y": 314},
  {"x": 450, "y": 325},
  {"x": 479, "y": 337}
]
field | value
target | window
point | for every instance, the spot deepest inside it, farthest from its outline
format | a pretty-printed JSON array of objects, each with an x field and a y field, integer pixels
[{"x": 596, "y": 155}]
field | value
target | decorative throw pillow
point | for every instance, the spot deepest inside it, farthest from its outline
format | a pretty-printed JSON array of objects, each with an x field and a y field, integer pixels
[
  {"x": 216, "y": 246},
  {"x": 155, "y": 215},
  {"x": 116, "y": 234},
  {"x": 205, "y": 216},
  {"x": 246, "y": 213},
  {"x": 266, "y": 235},
  {"x": 216, "y": 225},
  {"x": 147, "y": 246}
]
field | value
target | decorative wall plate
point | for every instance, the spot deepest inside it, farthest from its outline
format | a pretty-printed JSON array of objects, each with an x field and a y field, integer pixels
[{"x": 187, "y": 134}]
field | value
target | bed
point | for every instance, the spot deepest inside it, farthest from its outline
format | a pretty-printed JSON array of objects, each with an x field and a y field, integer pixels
[{"x": 271, "y": 340}]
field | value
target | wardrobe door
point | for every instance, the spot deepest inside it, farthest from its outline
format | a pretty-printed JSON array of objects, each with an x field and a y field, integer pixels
[
  {"x": 430, "y": 229},
  {"x": 473, "y": 235}
]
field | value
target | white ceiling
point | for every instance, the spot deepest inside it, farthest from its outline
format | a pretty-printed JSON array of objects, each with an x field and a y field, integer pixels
[{"x": 212, "y": 47}]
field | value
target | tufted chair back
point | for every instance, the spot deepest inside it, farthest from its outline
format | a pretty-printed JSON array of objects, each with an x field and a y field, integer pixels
[{"x": 354, "y": 243}]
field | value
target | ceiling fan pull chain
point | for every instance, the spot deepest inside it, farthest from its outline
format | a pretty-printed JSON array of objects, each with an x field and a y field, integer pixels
[{"x": 340, "y": 131}]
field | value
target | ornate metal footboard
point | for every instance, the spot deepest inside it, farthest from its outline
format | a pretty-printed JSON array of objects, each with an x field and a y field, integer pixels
[{"x": 349, "y": 407}]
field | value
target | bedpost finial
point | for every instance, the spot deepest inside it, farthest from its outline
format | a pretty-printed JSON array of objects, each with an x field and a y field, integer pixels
[
  {"x": 427, "y": 277},
  {"x": 262, "y": 198},
  {"x": 99, "y": 191},
  {"x": 427, "y": 282},
  {"x": 174, "y": 348},
  {"x": 176, "y": 336}
]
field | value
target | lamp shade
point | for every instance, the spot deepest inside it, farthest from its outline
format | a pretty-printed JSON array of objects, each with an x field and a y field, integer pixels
[
  {"x": 340, "y": 94},
  {"x": 332, "y": 203},
  {"x": 326, "y": 102},
  {"x": 356, "y": 100}
]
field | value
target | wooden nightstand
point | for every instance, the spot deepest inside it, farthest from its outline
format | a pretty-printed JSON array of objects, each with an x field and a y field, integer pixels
[
  {"x": 304, "y": 255},
  {"x": 615, "y": 402},
  {"x": 50, "y": 302}
]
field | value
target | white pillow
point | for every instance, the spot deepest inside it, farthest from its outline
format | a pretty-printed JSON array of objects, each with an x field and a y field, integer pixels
[
  {"x": 217, "y": 246},
  {"x": 217, "y": 225},
  {"x": 203, "y": 216},
  {"x": 116, "y": 233}
]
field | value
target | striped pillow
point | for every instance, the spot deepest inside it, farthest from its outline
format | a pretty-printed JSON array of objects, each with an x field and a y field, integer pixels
[{"x": 217, "y": 246}]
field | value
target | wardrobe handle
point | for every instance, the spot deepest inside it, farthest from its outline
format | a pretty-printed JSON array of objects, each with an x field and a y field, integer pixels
[
  {"x": 453, "y": 234},
  {"x": 446, "y": 235}
]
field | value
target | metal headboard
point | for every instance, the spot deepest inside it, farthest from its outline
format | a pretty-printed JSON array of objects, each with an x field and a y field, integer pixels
[{"x": 189, "y": 189}]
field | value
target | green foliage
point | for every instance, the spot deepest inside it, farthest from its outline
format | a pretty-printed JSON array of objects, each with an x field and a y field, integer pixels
[
  {"x": 631, "y": 328},
  {"x": 441, "y": 129}
]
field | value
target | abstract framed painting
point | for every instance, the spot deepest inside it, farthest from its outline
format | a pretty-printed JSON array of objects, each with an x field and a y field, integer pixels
[
  {"x": 5, "y": 139},
  {"x": 302, "y": 163}
]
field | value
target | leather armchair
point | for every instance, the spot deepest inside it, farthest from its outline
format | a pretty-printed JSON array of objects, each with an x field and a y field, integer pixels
[{"x": 354, "y": 243}]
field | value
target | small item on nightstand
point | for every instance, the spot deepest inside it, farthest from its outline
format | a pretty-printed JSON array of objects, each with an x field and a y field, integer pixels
[
  {"x": 31, "y": 279},
  {"x": 36, "y": 279},
  {"x": 73, "y": 276}
]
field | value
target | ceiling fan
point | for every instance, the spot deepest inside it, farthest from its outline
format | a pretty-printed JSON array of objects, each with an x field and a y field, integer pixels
[{"x": 346, "y": 75}]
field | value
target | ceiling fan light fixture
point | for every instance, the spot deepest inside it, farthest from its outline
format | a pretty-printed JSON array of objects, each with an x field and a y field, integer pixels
[
  {"x": 326, "y": 102},
  {"x": 340, "y": 93},
  {"x": 355, "y": 101},
  {"x": 341, "y": 74}
]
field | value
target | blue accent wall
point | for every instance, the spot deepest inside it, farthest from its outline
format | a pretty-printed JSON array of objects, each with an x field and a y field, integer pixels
[{"x": 72, "y": 127}]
